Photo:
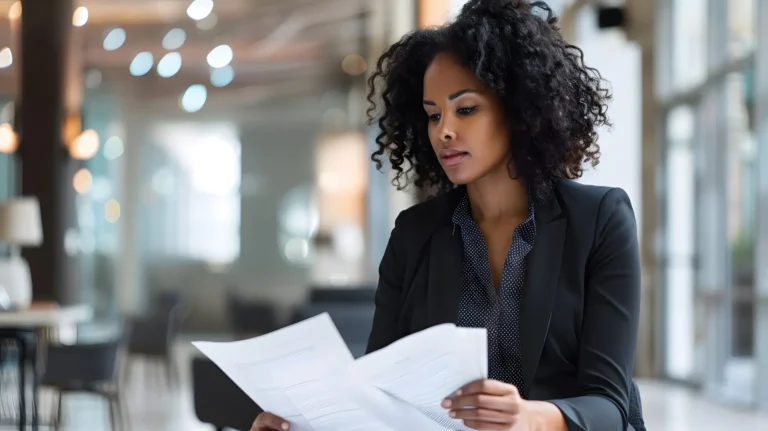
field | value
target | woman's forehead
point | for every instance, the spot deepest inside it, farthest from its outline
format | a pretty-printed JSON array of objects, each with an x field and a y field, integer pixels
[{"x": 446, "y": 76}]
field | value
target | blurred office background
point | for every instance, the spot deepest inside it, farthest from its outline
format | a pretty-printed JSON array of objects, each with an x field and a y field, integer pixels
[{"x": 174, "y": 170}]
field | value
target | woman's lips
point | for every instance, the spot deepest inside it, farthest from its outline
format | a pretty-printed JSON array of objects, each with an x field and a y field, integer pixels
[{"x": 453, "y": 159}]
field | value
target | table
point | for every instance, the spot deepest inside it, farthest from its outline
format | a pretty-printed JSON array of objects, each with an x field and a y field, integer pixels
[
  {"x": 23, "y": 326},
  {"x": 46, "y": 317}
]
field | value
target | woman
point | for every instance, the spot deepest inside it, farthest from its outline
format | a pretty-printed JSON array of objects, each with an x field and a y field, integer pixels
[{"x": 499, "y": 114}]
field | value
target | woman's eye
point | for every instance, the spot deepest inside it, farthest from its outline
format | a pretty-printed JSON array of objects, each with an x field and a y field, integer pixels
[
  {"x": 434, "y": 117},
  {"x": 467, "y": 111}
]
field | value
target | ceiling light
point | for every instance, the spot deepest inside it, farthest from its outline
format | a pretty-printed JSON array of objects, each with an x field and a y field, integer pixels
[
  {"x": 194, "y": 98},
  {"x": 80, "y": 17},
  {"x": 169, "y": 65},
  {"x": 208, "y": 22},
  {"x": 112, "y": 211},
  {"x": 101, "y": 189},
  {"x": 174, "y": 39},
  {"x": 114, "y": 39},
  {"x": 354, "y": 64},
  {"x": 141, "y": 64},
  {"x": 6, "y": 58},
  {"x": 82, "y": 181},
  {"x": 15, "y": 11},
  {"x": 222, "y": 76},
  {"x": 8, "y": 140},
  {"x": 85, "y": 146},
  {"x": 113, "y": 148},
  {"x": 220, "y": 56},
  {"x": 199, "y": 9}
]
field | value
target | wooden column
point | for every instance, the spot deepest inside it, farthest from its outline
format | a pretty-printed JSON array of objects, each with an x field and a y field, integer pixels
[{"x": 46, "y": 167}]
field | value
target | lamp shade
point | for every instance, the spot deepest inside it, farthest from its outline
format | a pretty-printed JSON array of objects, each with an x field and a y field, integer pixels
[{"x": 20, "y": 222}]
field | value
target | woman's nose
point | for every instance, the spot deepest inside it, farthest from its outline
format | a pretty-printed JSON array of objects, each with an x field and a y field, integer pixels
[{"x": 447, "y": 132}]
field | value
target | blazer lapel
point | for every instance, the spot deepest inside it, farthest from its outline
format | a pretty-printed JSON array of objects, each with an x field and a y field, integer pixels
[
  {"x": 445, "y": 267},
  {"x": 540, "y": 287}
]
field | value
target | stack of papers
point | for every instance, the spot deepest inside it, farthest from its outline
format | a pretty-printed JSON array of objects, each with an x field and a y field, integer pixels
[{"x": 305, "y": 374}]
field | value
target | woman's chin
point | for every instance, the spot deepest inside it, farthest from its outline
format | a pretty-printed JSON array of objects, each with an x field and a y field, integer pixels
[{"x": 460, "y": 178}]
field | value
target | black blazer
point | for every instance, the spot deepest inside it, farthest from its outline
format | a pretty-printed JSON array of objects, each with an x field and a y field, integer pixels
[{"x": 581, "y": 298}]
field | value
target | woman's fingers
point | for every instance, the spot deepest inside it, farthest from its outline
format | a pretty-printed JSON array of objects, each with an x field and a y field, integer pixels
[{"x": 269, "y": 422}]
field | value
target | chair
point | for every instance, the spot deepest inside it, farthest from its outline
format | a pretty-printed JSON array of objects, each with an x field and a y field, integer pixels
[
  {"x": 251, "y": 318},
  {"x": 152, "y": 336},
  {"x": 218, "y": 401},
  {"x": 164, "y": 302},
  {"x": 350, "y": 308},
  {"x": 347, "y": 295},
  {"x": 24, "y": 343},
  {"x": 91, "y": 368}
]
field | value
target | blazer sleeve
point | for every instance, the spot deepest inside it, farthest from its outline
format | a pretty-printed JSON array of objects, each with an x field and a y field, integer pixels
[
  {"x": 385, "y": 328},
  {"x": 610, "y": 322}
]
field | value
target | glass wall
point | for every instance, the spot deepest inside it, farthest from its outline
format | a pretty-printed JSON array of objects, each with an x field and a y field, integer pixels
[
  {"x": 710, "y": 197},
  {"x": 97, "y": 204},
  {"x": 741, "y": 199},
  {"x": 689, "y": 43},
  {"x": 760, "y": 121},
  {"x": 680, "y": 241}
]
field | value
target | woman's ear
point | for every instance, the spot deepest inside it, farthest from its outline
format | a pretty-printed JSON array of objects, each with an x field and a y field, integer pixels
[{"x": 512, "y": 169}]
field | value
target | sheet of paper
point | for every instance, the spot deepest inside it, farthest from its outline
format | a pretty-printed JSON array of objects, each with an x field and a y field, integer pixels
[
  {"x": 475, "y": 344},
  {"x": 396, "y": 413},
  {"x": 300, "y": 372},
  {"x": 424, "y": 368}
]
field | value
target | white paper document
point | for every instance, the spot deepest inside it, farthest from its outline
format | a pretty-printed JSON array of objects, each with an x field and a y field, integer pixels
[{"x": 306, "y": 374}]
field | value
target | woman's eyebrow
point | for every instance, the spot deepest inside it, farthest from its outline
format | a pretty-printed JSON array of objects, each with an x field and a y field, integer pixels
[{"x": 451, "y": 96}]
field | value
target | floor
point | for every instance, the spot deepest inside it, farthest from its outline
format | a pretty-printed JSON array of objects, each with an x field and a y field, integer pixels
[{"x": 152, "y": 406}]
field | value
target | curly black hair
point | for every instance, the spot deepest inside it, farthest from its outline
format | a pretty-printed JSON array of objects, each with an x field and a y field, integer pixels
[{"x": 552, "y": 102}]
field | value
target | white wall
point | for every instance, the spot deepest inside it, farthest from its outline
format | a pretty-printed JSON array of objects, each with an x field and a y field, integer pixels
[{"x": 619, "y": 63}]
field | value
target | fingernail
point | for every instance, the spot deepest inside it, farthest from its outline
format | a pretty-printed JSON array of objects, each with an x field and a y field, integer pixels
[
  {"x": 446, "y": 403},
  {"x": 285, "y": 426},
  {"x": 452, "y": 414},
  {"x": 458, "y": 393}
]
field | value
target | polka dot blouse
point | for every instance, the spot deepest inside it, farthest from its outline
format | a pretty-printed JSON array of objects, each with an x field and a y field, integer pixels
[{"x": 482, "y": 305}]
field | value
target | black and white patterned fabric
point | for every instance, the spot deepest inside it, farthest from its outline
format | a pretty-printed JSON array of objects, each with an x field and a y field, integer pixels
[{"x": 482, "y": 305}]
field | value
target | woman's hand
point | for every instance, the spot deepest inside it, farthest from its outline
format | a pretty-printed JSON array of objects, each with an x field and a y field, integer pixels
[
  {"x": 490, "y": 405},
  {"x": 269, "y": 422}
]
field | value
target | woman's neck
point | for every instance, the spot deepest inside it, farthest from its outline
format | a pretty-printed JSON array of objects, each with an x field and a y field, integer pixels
[{"x": 496, "y": 197}]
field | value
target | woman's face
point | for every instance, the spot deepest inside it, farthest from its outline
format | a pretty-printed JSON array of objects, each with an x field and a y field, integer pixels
[{"x": 466, "y": 126}]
